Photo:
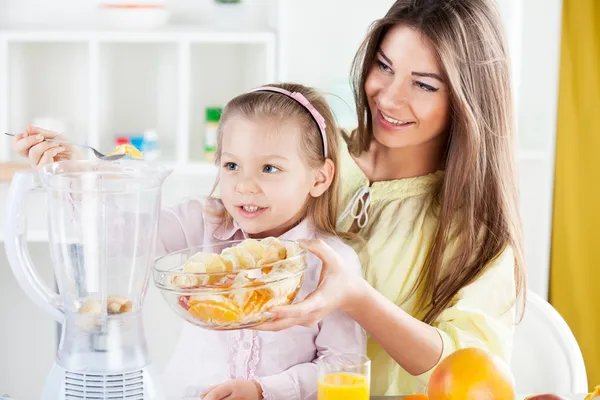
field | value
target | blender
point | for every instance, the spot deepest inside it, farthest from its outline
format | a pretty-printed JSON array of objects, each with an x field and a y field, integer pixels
[{"x": 102, "y": 231}]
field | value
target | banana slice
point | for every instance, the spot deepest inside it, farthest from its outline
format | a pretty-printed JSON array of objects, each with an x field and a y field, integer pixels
[
  {"x": 128, "y": 150},
  {"x": 118, "y": 305},
  {"x": 114, "y": 305},
  {"x": 91, "y": 307},
  {"x": 206, "y": 262},
  {"x": 254, "y": 247},
  {"x": 273, "y": 251},
  {"x": 292, "y": 250},
  {"x": 184, "y": 281},
  {"x": 240, "y": 257},
  {"x": 286, "y": 287}
]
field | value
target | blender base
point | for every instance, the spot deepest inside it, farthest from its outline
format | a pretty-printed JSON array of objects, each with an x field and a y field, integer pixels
[{"x": 142, "y": 384}]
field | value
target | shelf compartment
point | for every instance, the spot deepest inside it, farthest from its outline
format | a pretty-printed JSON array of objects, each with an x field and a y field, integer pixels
[
  {"x": 48, "y": 83},
  {"x": 137, "y": 90},
  {"x": 219, "y": 73}
]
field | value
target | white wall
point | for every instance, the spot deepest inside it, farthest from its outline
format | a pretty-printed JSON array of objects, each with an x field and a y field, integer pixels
[
  {"x": 317, "y": 49},
  {"x": 84, "y": 14},
  {"x": 537, "y": 97},
  {"x": 27, "y": 334}
]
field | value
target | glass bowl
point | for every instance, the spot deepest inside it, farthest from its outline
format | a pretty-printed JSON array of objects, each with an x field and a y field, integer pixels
[{"x": 231, "y": 285}]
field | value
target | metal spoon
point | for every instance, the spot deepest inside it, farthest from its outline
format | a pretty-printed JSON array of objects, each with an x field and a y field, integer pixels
[{"x": 99, "y": 155}]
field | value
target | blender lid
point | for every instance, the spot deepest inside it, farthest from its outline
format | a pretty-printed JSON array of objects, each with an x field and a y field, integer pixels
[{"x": 119, "y": 176}]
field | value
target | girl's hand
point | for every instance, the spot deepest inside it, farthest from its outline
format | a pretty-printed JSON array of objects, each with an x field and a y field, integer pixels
[
  {"x": 336, "y": 290},
  {"x": 31, "y": 145},
  {"x": 235, "y": 390}
]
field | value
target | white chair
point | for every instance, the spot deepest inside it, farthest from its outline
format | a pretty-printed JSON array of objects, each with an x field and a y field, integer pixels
[{"x": 546, "y": 357}]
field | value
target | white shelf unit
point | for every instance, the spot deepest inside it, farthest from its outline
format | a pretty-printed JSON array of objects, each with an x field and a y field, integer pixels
[{"x": 103, "y": 83}]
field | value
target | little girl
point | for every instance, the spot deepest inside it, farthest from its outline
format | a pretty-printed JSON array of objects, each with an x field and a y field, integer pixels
[{"x": 278, "y": 176}]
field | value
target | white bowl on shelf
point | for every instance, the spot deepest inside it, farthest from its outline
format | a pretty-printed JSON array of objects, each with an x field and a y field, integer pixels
[{"x": 134, "y": 16}]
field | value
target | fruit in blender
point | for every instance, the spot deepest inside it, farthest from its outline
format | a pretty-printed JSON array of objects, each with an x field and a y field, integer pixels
[
  {"x": 118, "y": 305},
  {"x": 114, "y": 305}
]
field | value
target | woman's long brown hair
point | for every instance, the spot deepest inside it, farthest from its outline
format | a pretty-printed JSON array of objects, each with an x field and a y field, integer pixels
[{"x": 479, "y": 197}]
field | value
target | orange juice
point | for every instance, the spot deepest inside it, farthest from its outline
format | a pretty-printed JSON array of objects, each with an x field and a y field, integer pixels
[{"x": 343, "y": 386}]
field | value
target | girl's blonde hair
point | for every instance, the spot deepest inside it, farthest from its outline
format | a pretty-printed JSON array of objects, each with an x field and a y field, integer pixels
[
  {"x": 478, "y": 198},
  {"x": 260, "y": 105}
]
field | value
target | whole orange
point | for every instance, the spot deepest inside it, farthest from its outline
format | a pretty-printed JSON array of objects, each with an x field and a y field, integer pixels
[{"x": 471, "y": 374}]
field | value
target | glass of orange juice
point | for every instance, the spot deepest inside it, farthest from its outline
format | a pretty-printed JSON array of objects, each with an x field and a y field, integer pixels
[{"x": 344, "y": 377}]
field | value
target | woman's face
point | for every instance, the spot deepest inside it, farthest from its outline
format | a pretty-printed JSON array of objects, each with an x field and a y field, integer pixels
[{"x": 407, "y": 94}]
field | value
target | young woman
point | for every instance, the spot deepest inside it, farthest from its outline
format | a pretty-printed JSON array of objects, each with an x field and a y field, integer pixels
[{"x": 430, "y": 189}]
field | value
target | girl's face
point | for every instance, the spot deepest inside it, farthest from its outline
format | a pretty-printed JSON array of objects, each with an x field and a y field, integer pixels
[
  {"x": 264, "y": 180},
  {"x": 407, "y": 95}
]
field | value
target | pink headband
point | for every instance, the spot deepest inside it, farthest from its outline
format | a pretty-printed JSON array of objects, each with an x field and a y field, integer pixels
[{"x": 299, "y": 97}]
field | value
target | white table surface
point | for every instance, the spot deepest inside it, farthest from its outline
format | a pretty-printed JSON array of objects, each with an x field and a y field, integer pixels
[{"x": 519, "y": 397}]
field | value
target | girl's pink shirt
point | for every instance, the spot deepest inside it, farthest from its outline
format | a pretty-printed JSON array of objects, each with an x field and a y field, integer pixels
[{"x": 282, "y": 362}]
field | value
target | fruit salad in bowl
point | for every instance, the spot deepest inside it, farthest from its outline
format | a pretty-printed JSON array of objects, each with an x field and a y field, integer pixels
[{"x": 231, "y": 285}]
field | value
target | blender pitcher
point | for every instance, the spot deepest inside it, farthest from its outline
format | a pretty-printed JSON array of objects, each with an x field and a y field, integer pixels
[{"x": 102, "y": 231}]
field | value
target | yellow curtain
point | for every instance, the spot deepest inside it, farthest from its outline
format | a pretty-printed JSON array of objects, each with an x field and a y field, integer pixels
[{"x": 575, "y": 266}]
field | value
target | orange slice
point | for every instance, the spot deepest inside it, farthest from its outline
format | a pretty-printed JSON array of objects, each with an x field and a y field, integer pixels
[
  {"x": 215, "y": 311},
  {"x": 594, "y": 394},
  {"x": 274, "y": 302},
  {"x": 416, "y": 397},
  {"x": 255, "y": 302}
]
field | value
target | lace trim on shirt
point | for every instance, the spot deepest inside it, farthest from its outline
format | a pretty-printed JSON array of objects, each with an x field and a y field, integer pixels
[
  {"x": 233, "y": 350},
  {"x": 268, "y": 396},
  {"x": 265, "y": 394},
  {"x": 254, "y": 356}
]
